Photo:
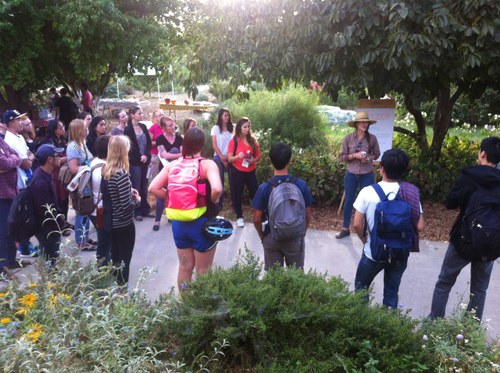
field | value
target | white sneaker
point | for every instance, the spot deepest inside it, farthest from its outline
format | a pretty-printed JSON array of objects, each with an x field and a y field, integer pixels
[{"x": 240, "y": 223}]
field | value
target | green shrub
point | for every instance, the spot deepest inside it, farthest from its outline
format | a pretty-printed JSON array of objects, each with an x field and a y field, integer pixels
[
  {"x": 436, "y": 178},
  {"x": 289, "y": 321},
  {"x": 289, "y": 114}
]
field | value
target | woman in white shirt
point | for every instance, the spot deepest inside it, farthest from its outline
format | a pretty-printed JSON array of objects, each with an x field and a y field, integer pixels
[{"x": 221, "y": 135}]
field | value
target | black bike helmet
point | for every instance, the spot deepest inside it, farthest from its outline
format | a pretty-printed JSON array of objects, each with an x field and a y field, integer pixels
[{"x": 217, "y": 228}]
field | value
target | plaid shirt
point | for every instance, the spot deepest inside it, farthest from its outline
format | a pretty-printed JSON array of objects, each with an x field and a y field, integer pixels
[
  {"x": 9, "y": 161},
  {"x": 411, "y": 194}
]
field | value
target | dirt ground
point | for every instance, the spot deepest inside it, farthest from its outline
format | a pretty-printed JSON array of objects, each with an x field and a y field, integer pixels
[{"x": 438, "y": 220}]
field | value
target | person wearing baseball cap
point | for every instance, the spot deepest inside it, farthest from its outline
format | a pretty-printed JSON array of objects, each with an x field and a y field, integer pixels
[
  {"x": 10, "y": 115},
  {"x": 44, "y": 193},
  {"x": 359, "y": 150}
]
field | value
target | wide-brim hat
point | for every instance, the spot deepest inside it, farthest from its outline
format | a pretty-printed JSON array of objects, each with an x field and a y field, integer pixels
[{"x": 361, "y": 116}]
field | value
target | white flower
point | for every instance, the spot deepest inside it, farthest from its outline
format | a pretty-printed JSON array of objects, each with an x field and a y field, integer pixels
[{"x": 425, "y": 337}]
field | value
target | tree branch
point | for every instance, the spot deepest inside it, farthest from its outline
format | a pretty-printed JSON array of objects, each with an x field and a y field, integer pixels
[
  {"x": 456, "y": 95},
  {"x": 406, "y": 132}
]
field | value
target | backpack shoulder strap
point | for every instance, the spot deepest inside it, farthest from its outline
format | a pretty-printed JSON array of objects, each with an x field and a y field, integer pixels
[
  {"x": 200, "y": 169},
  {"x": 380, "y": 192}
]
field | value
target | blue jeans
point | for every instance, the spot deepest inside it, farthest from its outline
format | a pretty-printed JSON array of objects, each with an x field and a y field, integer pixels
[
  {"x": 222, "y": 170},
  {"x": 353, "y": 183},
  {"x": 451, "y": 268},
  {"x": 103, "y": 252},
  {"x": 138, "y": 177},
  {"x": 82, "y": 228},
  {"x": 160, "y": 208},
  {"x": 393, "y": 272},
  {"x": 7, "y": 245}
]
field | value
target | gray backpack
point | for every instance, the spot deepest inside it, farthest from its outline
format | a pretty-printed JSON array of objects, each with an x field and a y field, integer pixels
[{"x": 286, "y": 210}]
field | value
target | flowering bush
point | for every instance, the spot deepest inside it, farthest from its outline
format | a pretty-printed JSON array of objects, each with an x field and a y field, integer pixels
[
  {"x": 74, "y": 319},
  {"x": 459, "y": 344}
]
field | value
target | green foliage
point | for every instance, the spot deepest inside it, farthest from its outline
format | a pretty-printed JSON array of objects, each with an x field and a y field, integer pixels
[
  {"x": 423, "y": 50},
  {"x": 65, "y": 42},
  {"x": 435, "y": 178},
  {"x": 289, "y": 114},
  {"x": 291, "y": 321},
  {"x": 318, "y": 165}
]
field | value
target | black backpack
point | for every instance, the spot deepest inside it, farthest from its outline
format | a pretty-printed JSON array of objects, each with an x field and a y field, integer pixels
[
  {"x": 480, "y": 228},
  {"x": 21, "y": 222}
]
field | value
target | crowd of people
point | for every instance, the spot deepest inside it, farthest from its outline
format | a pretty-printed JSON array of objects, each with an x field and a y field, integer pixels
[{"x": 131, "y": 160}]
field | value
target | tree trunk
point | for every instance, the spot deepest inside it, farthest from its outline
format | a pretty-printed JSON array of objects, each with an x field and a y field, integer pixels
[
  {"x": 442, "y": 121},
  {"x": 14, "y": 99},
  {"x": 421, "y": 135}
]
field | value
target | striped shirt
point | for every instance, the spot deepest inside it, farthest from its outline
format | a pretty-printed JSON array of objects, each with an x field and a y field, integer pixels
[{"x": 119, "y": 187}]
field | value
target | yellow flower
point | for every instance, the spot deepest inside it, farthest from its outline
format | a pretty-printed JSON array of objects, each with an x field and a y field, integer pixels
[
  {"x": 65, "y": 296},
  {"x": 28, "y": 300},
  {"x": 33, "y": 284},
  {"x": 34, "y": 334},
  {"x": 51, "y": 284},
  {"x": 54, "y": 297},
  {"x": 5, "y": 320},
  {"x": 22, "y": 311},
  {"x": 2, "y": 295}
]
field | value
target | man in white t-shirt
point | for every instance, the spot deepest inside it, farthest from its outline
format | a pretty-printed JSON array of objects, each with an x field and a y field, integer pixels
[
  {"x": 13, "y": 137},
  {"x": 393, "y": 166}
]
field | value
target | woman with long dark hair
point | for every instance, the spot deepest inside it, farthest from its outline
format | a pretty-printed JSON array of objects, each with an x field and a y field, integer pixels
[
  {"x": 139, "y": 158},
  {"x": 97, "y": 128},
  {"x": 359, "y": 150},
  {"x": 221, "y": 134},
  {"x": 243, "y": 154}
]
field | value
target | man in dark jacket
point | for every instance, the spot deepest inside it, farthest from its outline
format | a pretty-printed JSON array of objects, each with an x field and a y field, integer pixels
[
  {"x": 487, "y": 175},
  {"x": 47, "y": 211}
]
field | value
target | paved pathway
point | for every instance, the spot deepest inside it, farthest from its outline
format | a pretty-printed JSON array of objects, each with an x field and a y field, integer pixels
[{"x": 324, "y": 254}]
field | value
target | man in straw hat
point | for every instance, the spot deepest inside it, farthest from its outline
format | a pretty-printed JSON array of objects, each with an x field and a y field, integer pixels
[{"x": 359, "y": 149}]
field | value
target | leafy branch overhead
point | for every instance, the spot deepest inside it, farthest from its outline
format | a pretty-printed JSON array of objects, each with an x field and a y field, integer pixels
[
  {"x": 422, "y": 50},
  {"x": 62, "y": 42}
]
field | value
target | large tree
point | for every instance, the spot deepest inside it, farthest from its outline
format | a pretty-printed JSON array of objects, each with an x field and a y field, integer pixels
[
  {"x": 59, "y": 42},
  {"x": 423, "y": 50}
]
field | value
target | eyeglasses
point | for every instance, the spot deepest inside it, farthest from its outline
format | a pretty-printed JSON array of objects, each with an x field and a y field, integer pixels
[{"x": 359, "y": 147}]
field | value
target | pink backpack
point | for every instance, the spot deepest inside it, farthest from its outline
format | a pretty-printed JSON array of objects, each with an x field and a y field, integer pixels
[{"x": 186, "y": 190}]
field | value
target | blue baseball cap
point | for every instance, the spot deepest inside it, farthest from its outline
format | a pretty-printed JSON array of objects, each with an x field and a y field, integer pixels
[
  {"x": 47, "y": 150},
  {"x": 11, "y": 115}
]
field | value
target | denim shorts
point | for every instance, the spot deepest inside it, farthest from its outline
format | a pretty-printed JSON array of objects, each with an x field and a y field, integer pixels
[{"x": 189, "y": 235}]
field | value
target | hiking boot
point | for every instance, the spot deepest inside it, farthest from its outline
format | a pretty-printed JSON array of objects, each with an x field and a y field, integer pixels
[
  {"x": 343, "y": 233},
  {"x": 240, "y": 223}
]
